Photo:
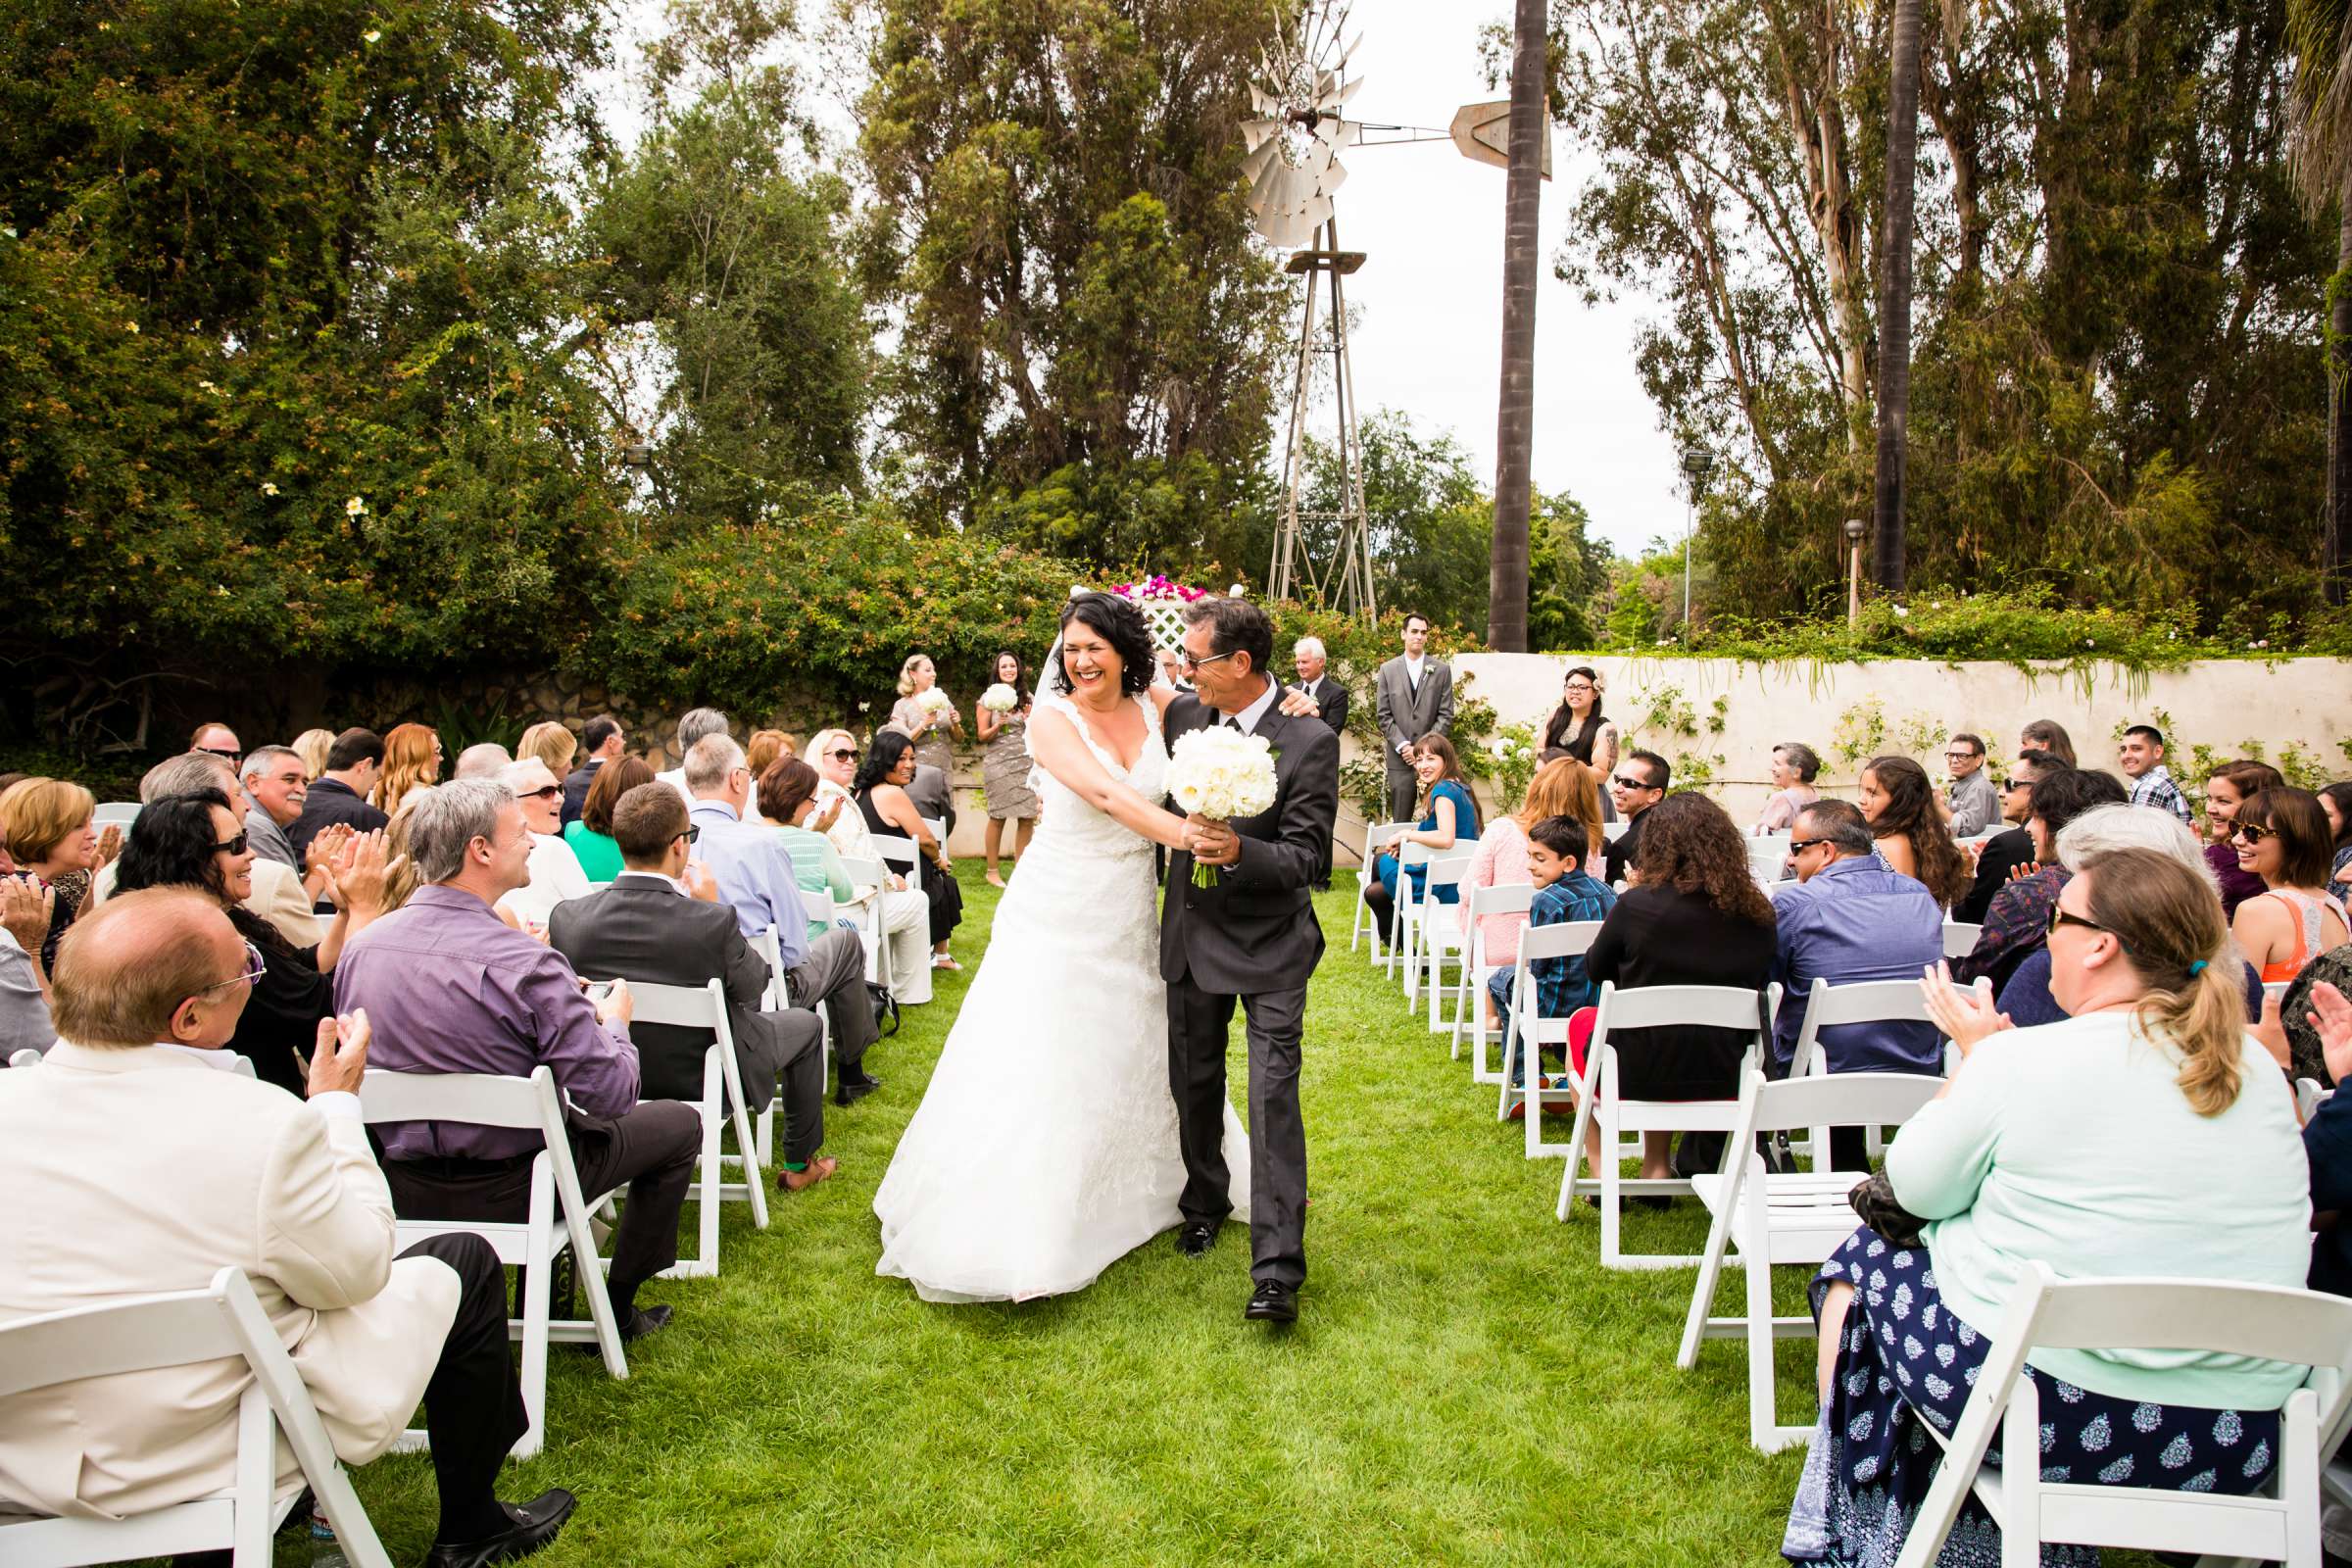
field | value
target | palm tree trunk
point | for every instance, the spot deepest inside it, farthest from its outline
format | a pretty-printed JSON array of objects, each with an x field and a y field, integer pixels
[
  {"x": 2335, "y": 526},
  {"x": 1894, "y": 293},
  {"x": 1515, "y": 417}
]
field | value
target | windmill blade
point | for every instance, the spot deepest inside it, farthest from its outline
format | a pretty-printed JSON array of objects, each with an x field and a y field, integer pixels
[
  {"x": 1256, "y": 133},
  {"x": 1267, "y": 105},
  {"x": 1348, "y": 54},
  {"x": 1331, "y": 96},
  {"x": 1333, "y": 177},
  {"x": 1336, "y": 134},
  {"x": 1263, "y": 154}
]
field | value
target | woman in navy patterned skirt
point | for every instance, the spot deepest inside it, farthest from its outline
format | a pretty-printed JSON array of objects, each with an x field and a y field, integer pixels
[{"x": 2068, "y": 1144}]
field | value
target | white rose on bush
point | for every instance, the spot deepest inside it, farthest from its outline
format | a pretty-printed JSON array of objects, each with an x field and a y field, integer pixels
[
  {"x": 1221, "y": 775},
  {"x": 1000, "y": 699}
]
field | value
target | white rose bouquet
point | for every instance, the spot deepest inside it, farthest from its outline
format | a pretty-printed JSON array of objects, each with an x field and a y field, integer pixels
[
  {"x": 935, "y": 706},
  {"x": 1000, "y": 699},
  {"x": 1220, "y": 773}
]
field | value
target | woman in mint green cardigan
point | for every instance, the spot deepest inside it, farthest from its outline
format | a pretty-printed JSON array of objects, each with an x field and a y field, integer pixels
[
  {"x": 2147, "y": 1134},
  {"x": 788, "y": 800},
  {"x": 590, "y": 834}
]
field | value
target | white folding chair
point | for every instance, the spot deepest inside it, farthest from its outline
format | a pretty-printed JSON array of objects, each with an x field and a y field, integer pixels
[
  {"x": 557, "y": 1215},
  {"x": 2281, "y": 1524},
  {"x": 1524, "y": 1030},
  {"x": 1377, "y": 836},
  {"x": 896, "y": 848},
  {"x": 26, "y": 1056},
  {"x": 1438, "y": 935},
  {"x": 1598, "y": 1096},
  {"x": 2276, "y": 990},
  {"x": 701, "y": 1008},
  {"x": 1803, "y": 1217},
  {"x": 220, "y": 1322},
  {"x": 242, "y": 1066},
  {"x": 1827, "y": 1007},
  {"x": 779, "y": 995},
  {"x": 120, "y": 812},
  {"x": 871, "y": 873},
  {"x": 937, "y": 827},
  {"x": 1768, "y": 855},
  {"x": 1404, "y": 912},
  {"x": 1960, "y": 938},
  {"x": 1469, "y": 1005},
  {"x": 1615, "y": 830},
  {"x": 2309, "y": 1096}
]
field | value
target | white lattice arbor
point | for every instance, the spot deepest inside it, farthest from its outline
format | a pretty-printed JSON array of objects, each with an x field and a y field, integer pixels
[{"x": 1164, "y": 616}]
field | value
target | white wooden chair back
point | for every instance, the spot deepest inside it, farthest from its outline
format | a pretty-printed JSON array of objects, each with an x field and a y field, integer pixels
[
  {"x": 121, "y": 813},
  {"x": 1377, "y": 836},
  {"x": 704, "y": 1007},
  {"x": 2300, "y": 1327},
  {"x": 222, "y": 1321},
  {"x": 556, "y": 1217},
  {"x": 1768, "y": 855},
  {"x": 1598, "y": 1096},
  {"x": 1827, "y": 1007},
  {"x": 1960, "y": 938},
  {"x": 1760, "y": 1218},
  {"x": 1403, "y": 911},
  {"x": 1469, "y": 1011},
  {"x": 899, "y": 851},
  {"x": 1524, "y": 1030},
  {"x": 1613, "y": 831},
  {"x": 242, "y": 1066},
  {"x": 1436, "y": 934},
  {"x": 2309, "y": 1096},
  {"x": 24, "y": 1056},
  {"x": 937, "y": 827}
]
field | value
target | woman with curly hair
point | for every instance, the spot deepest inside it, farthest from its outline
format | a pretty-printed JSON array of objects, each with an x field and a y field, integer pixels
[
  {"x": 411, "y": 762},
  {"x": 1899, "y": 804},
  {"x": 197, "y": 841},
  {"x": 1693, "y": 917}
]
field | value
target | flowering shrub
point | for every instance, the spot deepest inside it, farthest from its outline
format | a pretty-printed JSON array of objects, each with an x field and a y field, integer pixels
[
  {"x": 1158, "y": 588},
  {"x": 1511, "y": 752}
]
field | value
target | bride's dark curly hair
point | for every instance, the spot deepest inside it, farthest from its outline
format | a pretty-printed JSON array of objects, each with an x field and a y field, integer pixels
[
  {"x": 1119, "y": 623},
  {"x": 1687, "y": 841}
]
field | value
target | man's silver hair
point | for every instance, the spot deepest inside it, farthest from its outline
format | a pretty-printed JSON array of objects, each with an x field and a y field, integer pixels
[
  {"x": 448, "y": 818},
  {"x": 697, "y": 723},
  {"x": 482, "y": 760},
  {"x": 185, "y": 775},
  {"x": 257, "y": 762},
  {"x": 2133, "y": 827},
  {"x": 1309, "y": 644},
  {"x": 709, "y": 760}
]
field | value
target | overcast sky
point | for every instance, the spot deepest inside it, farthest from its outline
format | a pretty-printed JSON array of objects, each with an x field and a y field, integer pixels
[{"x": 1428, "y": 301}]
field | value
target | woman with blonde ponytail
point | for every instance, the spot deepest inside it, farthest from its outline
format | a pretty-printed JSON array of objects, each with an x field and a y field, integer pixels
[{"x": 2146, "y": 1134}]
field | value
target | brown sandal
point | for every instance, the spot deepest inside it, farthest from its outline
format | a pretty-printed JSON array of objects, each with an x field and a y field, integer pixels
[{"x": 820, "y": 1170}]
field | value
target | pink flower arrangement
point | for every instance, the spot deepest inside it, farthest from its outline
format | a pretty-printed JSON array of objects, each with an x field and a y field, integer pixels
[{"x": 1160, "y": 587}]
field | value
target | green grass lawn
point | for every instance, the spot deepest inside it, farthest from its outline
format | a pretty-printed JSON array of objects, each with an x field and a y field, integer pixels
[{"x": 1466, "y": 1384}]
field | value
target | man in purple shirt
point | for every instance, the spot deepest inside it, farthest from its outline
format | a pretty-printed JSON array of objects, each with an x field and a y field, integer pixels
[
  {"x": 755, "y": 877},
  {"x": 450, "y": 988}
]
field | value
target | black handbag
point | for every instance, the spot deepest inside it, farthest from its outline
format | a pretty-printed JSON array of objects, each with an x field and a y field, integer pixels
[
  {"x": 886, "y": 1009},
  {"x": 1875, "y": 1201}
]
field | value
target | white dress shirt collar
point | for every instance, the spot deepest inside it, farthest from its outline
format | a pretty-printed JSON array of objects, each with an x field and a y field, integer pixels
[{"x": 1248, "y": 718}]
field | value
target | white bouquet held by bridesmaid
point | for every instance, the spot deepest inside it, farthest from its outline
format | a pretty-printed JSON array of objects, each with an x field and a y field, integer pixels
[
  {"x": 1000, "y": 699},
  {"x": 1220, "y": 774}
]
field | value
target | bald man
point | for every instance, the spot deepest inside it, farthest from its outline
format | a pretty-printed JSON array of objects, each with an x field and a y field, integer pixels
[{"x": 137, "y": 1165}]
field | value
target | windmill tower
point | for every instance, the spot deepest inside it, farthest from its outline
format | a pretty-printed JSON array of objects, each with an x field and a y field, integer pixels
[
  {"x": 1294, "y": 140},
  {"x": 1294, "y": 168}
]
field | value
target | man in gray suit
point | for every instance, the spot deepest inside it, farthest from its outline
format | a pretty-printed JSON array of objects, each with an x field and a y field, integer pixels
[
  {"x": 661, "y": 922},
  {"x": 1413, "y": 697},
  {"x": 1250, "y": 937}
]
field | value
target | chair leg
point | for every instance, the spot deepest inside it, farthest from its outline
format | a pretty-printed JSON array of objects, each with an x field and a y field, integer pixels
[
  {"x": 1710, "y": 1270},
  {"x": 538, "y": 1280},
  {"x": 1569, "y": 1179},
  {"x": 755, "y": 1173},
  {"x": 251, "y": 1526},
  {"x": 1763, "y": 1418}
]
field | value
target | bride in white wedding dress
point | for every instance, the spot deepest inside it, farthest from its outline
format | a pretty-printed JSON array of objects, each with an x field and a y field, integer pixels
[{"x": 1044, "y": 1147}]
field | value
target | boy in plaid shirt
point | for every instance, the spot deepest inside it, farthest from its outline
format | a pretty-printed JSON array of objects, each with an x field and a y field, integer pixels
[{"x": 1556, "y": 851}]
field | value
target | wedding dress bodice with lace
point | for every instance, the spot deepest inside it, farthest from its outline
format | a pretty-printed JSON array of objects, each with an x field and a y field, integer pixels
[{"x": 1044, "y": 1147}]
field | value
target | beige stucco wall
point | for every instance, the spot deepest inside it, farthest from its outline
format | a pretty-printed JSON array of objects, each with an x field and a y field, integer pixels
[{"x": 2305, "y": 703}]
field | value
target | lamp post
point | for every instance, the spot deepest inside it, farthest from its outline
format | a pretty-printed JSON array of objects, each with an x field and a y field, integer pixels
[
  {"x": 1697, "y": 463},
  {"x": 1853, "y": 573}
]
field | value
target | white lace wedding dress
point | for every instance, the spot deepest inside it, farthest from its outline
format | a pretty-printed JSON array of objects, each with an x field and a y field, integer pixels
[{"x": 1044, "y": 1147}]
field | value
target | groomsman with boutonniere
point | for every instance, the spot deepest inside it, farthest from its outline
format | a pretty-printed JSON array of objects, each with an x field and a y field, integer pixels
[{"x": 1414, "y": 697}]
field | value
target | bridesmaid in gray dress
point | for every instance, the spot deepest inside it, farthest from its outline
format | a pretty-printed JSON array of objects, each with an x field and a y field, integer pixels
[{"x": 1005, "y": 766}]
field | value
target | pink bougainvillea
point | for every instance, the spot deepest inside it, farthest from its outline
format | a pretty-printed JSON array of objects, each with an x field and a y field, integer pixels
[{"x": 1161, "y": 588}]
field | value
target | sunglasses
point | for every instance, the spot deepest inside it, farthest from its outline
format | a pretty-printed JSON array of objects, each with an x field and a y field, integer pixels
[
  {"x": 544, "y": 793},
  {"x": 843, "y": 755},
  {"x": 2251, "y": 832},
  {"x": 235, "y": 846},
  {"x": 1187, "y": 662},
  {"x": 252, "y": 973},
  {"x": 1801, "y": 846},
  {"x": 1624, "y": 782},
  {"x": 216, "y": 751},
  {"x": 2059, "y": 917},
  {"x": 692, "y": 833}
]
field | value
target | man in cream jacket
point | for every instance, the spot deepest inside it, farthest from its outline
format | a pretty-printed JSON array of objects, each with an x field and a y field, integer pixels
[{"x": 136, "y": 1166}]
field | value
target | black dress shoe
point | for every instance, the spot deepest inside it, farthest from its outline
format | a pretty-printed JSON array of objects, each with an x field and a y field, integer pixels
[
  {"x": 1272, "y": 1302},
  {"x": 1195, "y": 1237},
  {"x": 852, "y": 1090},
  {"x": 645, "y": 1320},
  {"x": 535, "y": 1524}
]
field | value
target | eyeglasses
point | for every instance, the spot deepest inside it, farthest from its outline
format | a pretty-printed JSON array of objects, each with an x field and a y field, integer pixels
[
  {"x": 2251, "y": 832},
  {"x": 1186, "y": 661},
  {"x": 235, "y": 846},
  {"x": 1960, "y": 757},
  {"x": 2059, "y": 917},
  {"x": 1625, "y": 782},
  {"x": 252, "y": 973}
]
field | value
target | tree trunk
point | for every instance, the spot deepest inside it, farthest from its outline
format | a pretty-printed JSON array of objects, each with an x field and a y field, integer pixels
[
  {"x": 1894, "y": 293},
  {"x": 1515, "y": 417},
  {"x": 2333, "y": 527}
]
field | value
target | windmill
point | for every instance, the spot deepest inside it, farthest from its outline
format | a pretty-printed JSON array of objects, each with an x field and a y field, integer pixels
[{"x": 1294, "y": 140}]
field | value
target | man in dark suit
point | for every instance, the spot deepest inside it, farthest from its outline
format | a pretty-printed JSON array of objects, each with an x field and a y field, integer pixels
[
  {"x": 340, "y": 794},
  {"x": 1253, "y": 937},
  {"x": 1412, "y": 695},
  {"x": 661, "y": 923}
]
